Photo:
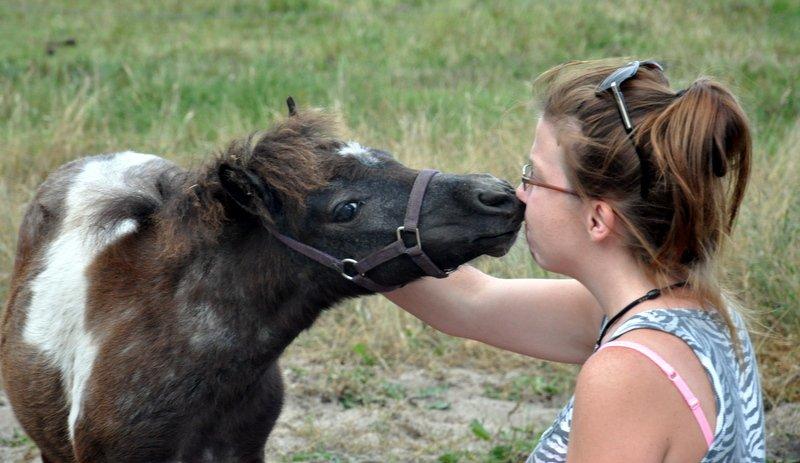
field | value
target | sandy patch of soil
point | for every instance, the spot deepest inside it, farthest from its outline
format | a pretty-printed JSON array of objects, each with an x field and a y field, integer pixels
[
  {"x": 428, "y": 416},
  {"x": 783, "y": 433},
  {"x": 433, "y": 418}
]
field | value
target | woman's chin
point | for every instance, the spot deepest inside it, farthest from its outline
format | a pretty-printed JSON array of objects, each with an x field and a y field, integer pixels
[
  {"x": 540, "y": 260},
  {"x": 536, "y": 257},
  {"x": 533, "y": 248}
]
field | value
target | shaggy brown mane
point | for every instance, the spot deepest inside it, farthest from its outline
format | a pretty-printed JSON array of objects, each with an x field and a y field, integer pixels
[{"x": 289, "y": 158}]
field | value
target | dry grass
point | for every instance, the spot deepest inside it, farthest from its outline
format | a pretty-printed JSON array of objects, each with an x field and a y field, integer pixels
[{"x": 765, "y": 259}]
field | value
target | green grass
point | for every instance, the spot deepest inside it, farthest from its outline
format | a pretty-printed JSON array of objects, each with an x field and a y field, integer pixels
[
  {"x": 442, "y": 84},
  {"x": 505, "y": 446},
  {"x": 17, "y": 439}
]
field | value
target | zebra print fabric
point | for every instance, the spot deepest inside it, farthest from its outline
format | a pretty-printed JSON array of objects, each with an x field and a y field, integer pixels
[{"x": 739, "y": 433}]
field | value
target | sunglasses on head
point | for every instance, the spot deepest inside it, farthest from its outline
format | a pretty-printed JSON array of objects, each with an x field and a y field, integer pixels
[{"x": 613, "y": 83}]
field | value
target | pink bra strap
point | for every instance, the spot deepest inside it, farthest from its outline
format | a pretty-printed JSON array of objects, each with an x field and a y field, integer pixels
[{"x": 676, "y": 379}]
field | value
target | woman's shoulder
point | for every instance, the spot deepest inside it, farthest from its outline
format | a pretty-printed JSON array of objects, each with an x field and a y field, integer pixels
[
  {"x": 677, "y": 354},
  {"x": 613, "y": 370},
  {"x": 639, "y": 395},
  {"x": 622, "y": 397},
  {"x": 628, "y": 367}
]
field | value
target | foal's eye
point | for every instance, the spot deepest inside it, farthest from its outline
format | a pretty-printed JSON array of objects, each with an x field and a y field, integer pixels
[{"x": 346, "y": 211}]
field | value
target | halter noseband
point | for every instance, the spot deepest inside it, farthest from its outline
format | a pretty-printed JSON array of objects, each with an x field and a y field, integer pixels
[{"x": 355, "y": 270}]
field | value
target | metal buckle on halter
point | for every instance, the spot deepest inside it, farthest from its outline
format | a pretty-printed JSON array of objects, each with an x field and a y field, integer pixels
[
  {"x": 353, "y": 263},
  {"x": 402, "y": 229}
]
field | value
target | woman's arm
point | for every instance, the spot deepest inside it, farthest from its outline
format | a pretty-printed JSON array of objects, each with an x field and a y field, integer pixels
[{"x": 551, "y": 319}]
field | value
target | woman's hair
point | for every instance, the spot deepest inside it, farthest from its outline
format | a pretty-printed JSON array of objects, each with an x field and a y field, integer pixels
[{"x": 696, "y": 145}]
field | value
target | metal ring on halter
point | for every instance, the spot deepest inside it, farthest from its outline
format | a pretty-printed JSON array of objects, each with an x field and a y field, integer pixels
[
  {"x": 402, "y": 229},
  {"x": 344, "y": 268}
]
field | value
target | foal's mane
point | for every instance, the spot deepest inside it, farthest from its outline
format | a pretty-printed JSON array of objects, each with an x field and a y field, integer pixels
[{"x": 289, "y": 158}]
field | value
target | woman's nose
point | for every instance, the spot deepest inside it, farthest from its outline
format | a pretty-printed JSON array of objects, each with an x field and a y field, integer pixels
[{"x": 520, "y": 192}]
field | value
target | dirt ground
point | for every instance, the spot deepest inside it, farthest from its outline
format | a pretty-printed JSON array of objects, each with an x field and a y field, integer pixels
[{"x": 430, "y": 420}]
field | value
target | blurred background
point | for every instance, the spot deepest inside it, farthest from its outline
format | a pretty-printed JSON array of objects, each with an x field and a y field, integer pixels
[{"x": 442, "y": 84}]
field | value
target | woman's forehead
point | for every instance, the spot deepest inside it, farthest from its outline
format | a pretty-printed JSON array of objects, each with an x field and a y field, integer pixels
[{"x": 545, "y": 149}]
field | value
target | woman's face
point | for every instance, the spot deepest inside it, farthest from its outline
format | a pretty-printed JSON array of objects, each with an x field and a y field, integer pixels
[{"x": 552, "y": 218}]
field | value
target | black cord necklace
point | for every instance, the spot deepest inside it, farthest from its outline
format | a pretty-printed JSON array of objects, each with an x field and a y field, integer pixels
[{"x": 652, "y": 294}]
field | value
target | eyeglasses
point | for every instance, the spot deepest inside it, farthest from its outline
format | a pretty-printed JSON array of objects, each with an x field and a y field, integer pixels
[
  {"x": 613, "y": 82},
  {"x": 527, "y": 180}
]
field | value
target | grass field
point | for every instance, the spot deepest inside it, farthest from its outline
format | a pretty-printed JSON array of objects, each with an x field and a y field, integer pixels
[{"x": 444, "y": 84}]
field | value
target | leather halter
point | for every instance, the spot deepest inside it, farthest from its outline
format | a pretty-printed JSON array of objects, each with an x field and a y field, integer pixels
[{"x": 355, "y": 270}]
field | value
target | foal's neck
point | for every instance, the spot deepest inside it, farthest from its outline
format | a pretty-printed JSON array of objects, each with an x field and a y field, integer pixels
[{"x": 261, "y": 291}]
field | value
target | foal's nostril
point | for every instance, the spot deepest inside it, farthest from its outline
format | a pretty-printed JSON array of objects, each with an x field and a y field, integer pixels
[
  {"x": 496, "y": 201},
  {"x": 492, "y": 198}
]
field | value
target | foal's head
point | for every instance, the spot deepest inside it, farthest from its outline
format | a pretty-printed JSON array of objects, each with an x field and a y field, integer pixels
[{"x": 348, "y": 200}]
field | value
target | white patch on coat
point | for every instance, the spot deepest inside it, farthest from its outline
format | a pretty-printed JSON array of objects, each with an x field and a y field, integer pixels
[
  {"x": 56, "y": 315},
  {"x": 205, "y": 329},
  {"x": 124, "y": 227},
  {"x": 363, "y": 154}
]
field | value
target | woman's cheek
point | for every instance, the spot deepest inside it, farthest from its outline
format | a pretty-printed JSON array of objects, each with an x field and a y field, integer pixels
[
  {"x": 541, "y": 239},
  {"x": 530, "y": 208},
  {"x": 532, "y": 224}
]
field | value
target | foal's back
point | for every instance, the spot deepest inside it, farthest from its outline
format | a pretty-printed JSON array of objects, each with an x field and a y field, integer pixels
[{"x": 48, "y": 351}]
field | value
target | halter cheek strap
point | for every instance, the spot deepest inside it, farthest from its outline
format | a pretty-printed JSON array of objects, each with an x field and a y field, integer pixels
[
  {"x": 356, "y": 270},
  {"x": 410, "y": 227}
]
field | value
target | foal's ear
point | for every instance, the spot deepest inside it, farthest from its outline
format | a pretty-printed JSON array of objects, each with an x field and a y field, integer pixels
[{"x": 248, "y": 190}]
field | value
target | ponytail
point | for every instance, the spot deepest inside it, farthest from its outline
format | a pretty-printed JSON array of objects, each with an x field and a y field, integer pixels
[
  {"x": 701, "y": 135},
  {"x": 701, "y": 145}
]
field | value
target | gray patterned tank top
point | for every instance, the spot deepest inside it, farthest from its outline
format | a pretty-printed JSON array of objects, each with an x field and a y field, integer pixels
[{"x": 739, "y": 432}]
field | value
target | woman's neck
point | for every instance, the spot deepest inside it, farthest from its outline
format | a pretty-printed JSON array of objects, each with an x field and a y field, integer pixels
[
  {"x": 615, "y": 283},
  {"x": 620, "y": 281}
]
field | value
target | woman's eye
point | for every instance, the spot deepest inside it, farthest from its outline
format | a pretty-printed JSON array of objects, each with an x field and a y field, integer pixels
[{"x": 345, "y": 212}]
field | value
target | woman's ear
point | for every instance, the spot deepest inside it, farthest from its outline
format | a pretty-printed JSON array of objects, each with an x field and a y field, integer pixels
[{"x": 600, "y": 220}]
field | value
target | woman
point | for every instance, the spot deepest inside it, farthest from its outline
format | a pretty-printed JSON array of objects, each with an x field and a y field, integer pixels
[{"x": 632, "y": 189}]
